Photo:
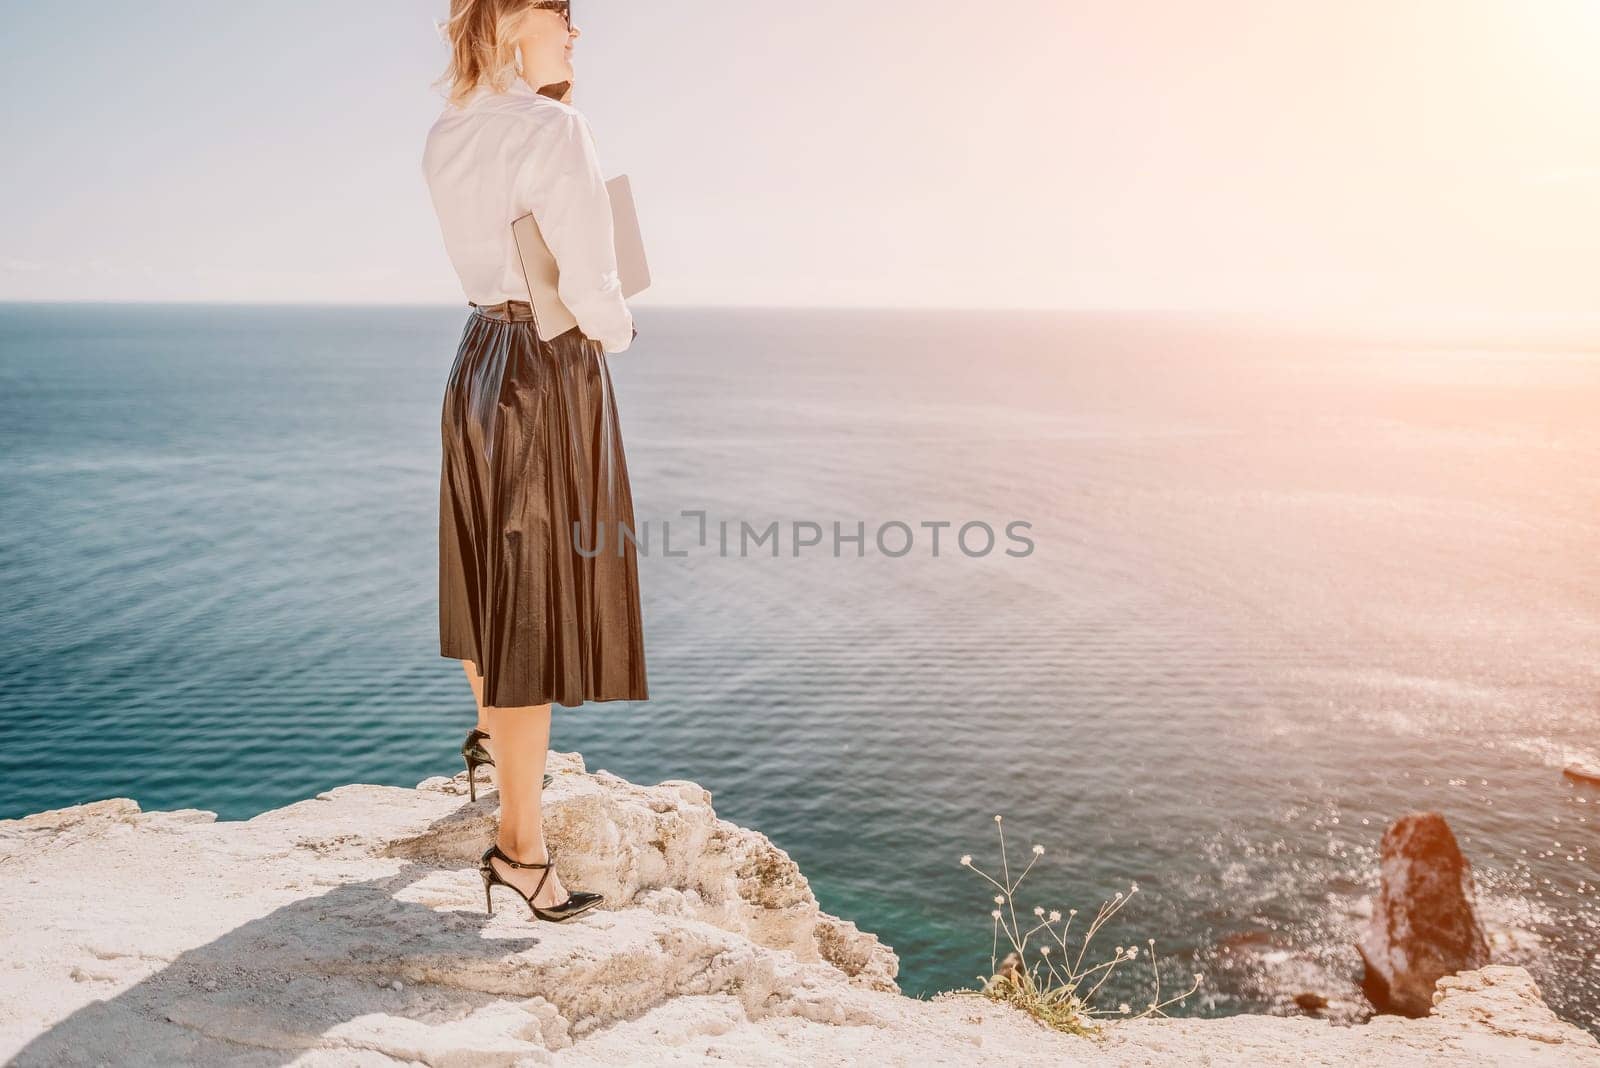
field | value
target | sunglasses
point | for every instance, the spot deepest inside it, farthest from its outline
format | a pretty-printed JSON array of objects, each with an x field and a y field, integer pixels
[{"x": 560, "y": 7}]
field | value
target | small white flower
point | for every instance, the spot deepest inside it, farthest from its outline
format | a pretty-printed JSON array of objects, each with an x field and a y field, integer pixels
[
  {"x": 995, "y": 913},
  {"x": 1133, "y": 951},
  {"x": 1055, "y": 916},
  {"x": 1124, "y": 1009},
  {"x": 1045, "y": 952},
  {"x": 1038, "y": 850},
  {"x": 1072, "y": 912},
  {"x": 997, "y": 817},
  {"x": 1038, "y": 910},
  {"x": 966, "y": 859},
  {"x": 1197, "y": 977},
  {"x": 1118, "y": 897},
  {"x": 1134, "y": 889},
  {"x": 999, "y": 899}
]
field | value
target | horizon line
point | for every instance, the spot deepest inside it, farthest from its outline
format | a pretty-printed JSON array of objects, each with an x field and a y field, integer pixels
[{"x": 1333, "y": 320}]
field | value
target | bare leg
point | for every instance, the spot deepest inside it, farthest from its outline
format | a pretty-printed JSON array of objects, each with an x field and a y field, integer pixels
[
  {"x": 521, "y": 741},
  {"x": 476, "y": 681}
]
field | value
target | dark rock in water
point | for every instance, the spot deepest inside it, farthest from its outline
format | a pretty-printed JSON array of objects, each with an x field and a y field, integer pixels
[
  {"x": 1424, "y": 923},
  {"x": 1310, "y": 1002}
]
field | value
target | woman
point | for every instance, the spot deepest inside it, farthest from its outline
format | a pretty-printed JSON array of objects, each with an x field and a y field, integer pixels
[{"x": 533, "y": 469}]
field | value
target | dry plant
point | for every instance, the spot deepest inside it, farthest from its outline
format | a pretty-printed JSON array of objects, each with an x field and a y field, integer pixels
[{"x": 1052, "y": 983}]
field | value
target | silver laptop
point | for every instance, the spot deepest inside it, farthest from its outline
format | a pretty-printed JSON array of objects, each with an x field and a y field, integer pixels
[{"x": 539, "y": 266}]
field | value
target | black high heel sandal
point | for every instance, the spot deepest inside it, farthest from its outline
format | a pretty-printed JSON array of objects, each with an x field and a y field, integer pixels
[
  {"x": 577, "y": 902},
  {"x": 473, "y": 752}
]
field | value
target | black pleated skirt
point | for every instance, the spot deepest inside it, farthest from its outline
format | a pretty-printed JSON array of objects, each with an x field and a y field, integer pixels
[{"x": 538, "y": 576}]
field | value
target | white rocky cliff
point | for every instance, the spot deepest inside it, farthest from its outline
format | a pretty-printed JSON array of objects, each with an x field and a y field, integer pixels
[{"x": 349, "y": 930}]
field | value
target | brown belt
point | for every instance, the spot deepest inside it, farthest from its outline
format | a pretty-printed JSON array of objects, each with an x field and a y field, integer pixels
[{"x": 506, "y": 311}]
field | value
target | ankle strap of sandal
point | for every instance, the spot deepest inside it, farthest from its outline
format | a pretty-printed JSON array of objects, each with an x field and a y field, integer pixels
[{"x": 496, "y": 851}]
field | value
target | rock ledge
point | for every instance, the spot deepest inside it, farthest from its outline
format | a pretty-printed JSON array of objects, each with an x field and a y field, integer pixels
[{"x": 349, "y": 929}]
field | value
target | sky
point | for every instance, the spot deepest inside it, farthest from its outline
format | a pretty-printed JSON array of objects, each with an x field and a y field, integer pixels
[{"x": 1330, "y": 158}]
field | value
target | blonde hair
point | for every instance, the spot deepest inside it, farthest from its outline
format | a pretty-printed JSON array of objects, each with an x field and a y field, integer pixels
[{"x": 482, "y": 48}]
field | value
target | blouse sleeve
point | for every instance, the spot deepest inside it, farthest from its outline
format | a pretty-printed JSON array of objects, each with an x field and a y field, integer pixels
[{"x": 564, "y": 189}]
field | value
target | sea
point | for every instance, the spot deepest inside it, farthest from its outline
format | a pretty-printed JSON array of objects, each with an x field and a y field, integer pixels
[{"x": 1197, "y": 606}]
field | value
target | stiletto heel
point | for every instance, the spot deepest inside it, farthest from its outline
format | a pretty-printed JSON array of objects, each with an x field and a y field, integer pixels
[
  {"x": 474, "y": 753},
  {"x": 488, "y": 902},
  {"x": 577, "y": 903}
]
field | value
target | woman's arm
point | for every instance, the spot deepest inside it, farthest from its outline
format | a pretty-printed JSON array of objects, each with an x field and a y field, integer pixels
[{"x": 567, "y": 195}]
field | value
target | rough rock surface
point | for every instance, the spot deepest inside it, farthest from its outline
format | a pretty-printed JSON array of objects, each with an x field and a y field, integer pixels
[
  {"x": 349, "y": 930},
  {"x": 1424, "y": 923}
]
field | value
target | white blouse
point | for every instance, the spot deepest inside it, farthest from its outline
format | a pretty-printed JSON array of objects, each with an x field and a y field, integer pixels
[{"x": 498, "y": 157}]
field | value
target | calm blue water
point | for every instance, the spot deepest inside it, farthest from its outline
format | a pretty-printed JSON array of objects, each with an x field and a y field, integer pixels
[{"x": 1283, "y": 589}]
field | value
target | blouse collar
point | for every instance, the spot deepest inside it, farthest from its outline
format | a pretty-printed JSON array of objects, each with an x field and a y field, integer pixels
[{"x": 518, "y": 88}]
